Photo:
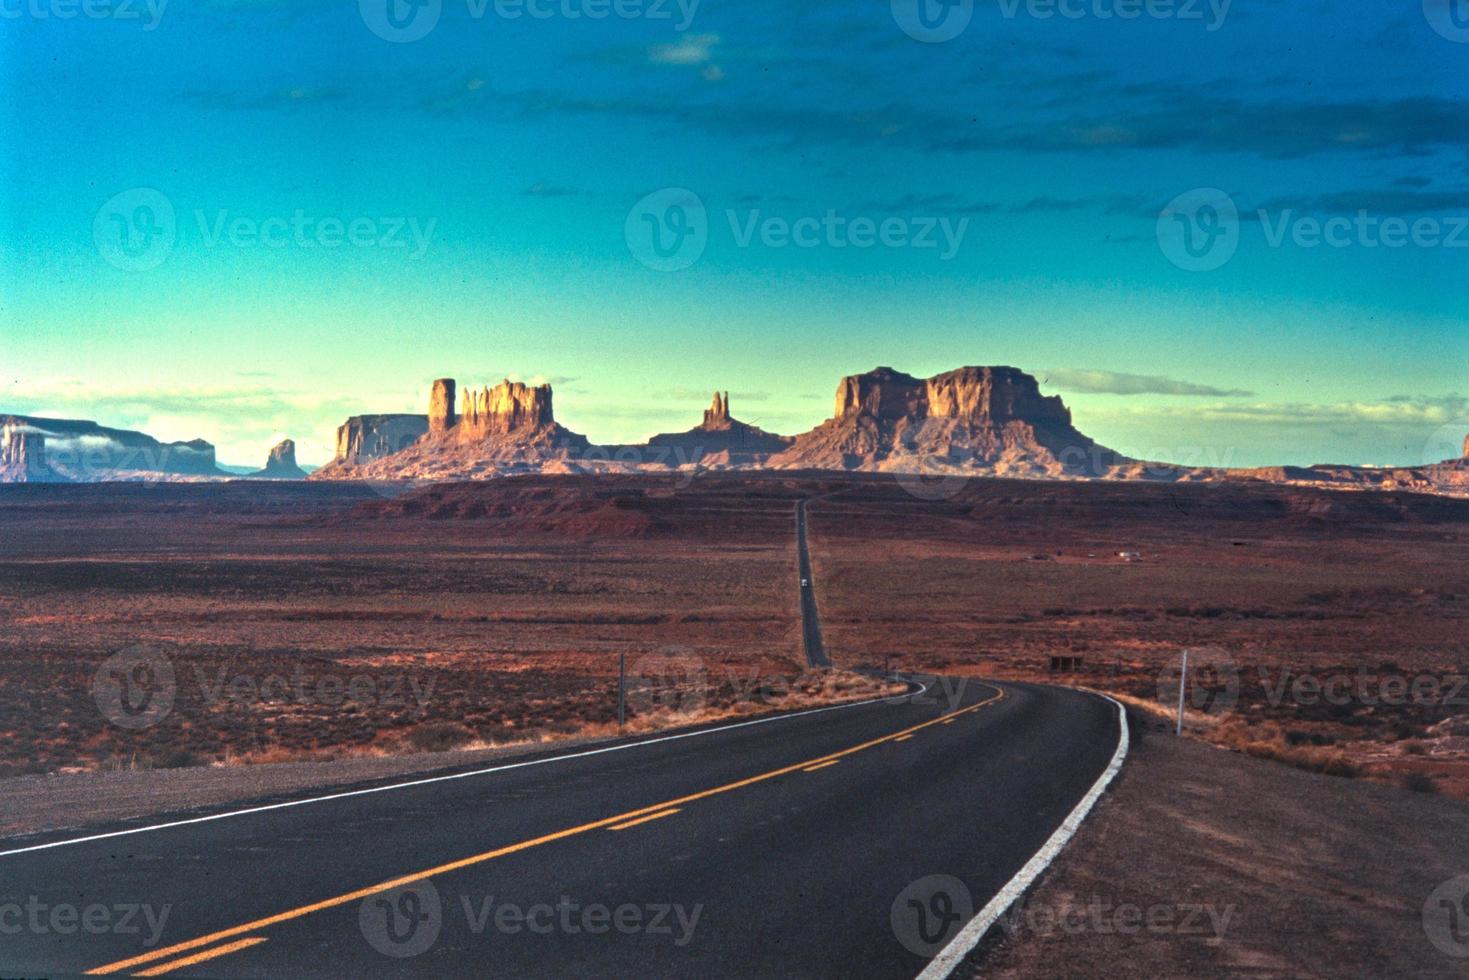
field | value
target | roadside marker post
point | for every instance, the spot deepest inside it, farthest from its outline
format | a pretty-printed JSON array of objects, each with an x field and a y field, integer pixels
[
  {"x": 1182, "y": 684},
  {"x": 621, "y": 689}
]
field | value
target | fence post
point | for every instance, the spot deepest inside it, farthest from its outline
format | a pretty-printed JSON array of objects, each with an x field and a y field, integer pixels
[{"x": 1182, "y": 685}]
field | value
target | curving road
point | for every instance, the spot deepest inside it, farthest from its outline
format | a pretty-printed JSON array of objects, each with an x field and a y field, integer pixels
[
  {"x": 848, "y": 841},
  {"x": 769, "y": 849}
]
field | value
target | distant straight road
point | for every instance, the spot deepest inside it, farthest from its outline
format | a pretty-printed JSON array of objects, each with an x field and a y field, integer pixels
[{"x": 810, "y": 620}]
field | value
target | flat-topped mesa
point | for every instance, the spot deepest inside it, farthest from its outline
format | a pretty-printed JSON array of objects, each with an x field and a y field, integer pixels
[
  {"x": 510, "y": 406},
  {"x": 36, "y": 448},
  {"x": 441, "y": 416},
  {"x": 716, "y": 416},
  {"x": 1466, "y": 447},
  {"x": 977, "y": 395},
  {"x": 975, "y": 419},
  {"x": 363, "y": 438}
]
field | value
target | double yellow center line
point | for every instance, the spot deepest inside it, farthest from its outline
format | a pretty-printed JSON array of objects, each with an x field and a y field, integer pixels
[{"x": 618, "y": 822}]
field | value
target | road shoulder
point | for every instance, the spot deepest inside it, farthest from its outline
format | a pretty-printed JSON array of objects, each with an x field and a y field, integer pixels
[{"x": 1204, "y": 862}]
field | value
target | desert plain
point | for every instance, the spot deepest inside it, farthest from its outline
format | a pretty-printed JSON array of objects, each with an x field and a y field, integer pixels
[{"x": 316, "y": 620}]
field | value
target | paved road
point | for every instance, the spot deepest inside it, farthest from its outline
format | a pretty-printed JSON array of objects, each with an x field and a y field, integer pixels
[
  {"x": 770, "y": 849},
  {"x": 810, "y": 619}
]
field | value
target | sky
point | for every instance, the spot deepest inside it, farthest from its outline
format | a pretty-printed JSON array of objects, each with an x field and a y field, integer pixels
[{"x": 1226, "y": 233}]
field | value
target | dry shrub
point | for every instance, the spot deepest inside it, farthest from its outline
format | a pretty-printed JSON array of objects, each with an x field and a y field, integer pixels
[
  {"x": 1269, "y": 742},
  {"x": 441, "y": 736}
]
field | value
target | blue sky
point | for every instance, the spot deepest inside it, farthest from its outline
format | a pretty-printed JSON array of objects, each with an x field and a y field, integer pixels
[{"x": 494, "y": 169}]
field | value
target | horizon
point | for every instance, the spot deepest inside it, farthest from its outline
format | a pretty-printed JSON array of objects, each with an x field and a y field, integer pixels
[{"x": 361, "y": 212}]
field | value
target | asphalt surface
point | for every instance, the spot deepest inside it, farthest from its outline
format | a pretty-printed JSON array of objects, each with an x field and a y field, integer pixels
[
  {"x": 774, "y": 864},
  {"x": 810, "y": 620},
  {"x": 851, "y": 841}
]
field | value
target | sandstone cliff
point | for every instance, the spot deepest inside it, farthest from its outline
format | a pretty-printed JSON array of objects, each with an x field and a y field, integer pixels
[
  {"x": 509, "y": 428},
  {"x": 441, "y": 406},
  {"x": 974, "y": 419},
  {"x": 508, "y": 407},
  {"x": 363, "y": 438},
  {"x": 45, "y": 450}
]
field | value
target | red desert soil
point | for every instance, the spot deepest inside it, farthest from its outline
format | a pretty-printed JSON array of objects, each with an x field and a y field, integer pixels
[
  {"x": 505, "y": 604},
  {"x": 509, "y": 601},
  {"x": 1245, "y": 869}
]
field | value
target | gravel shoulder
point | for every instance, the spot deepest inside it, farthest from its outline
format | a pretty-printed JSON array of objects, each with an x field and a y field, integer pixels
[{"x": 1202, "y": 862}]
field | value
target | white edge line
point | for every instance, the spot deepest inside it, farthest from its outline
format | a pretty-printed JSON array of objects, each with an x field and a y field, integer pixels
[
  {"x": 456, "y": 775},
  {"x": 963, "y": 944}
]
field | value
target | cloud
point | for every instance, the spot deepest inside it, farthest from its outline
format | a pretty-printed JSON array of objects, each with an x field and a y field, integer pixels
[
  {"x": 1119, "y": 383},
  {"x": 692, "y": 49},
  {"x": 542, "y": 189},
  {"x": 1396, "y": 431},
  {"x": 1399, "y": 410},
  {"x": 929, "y": 204},
  {"x": 243, "y": 421},
  {"x": 1375, "y": 201}
]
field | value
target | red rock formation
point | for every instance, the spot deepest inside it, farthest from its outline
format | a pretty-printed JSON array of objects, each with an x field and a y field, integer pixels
[
  {"x": 721, "y": 442},
  {"x": 441, "y": 406},
  {"x": 281, "y": 463},
  {"x": 508, "y": 407},
  {"x": 367, "y": 437},
  {"x": 975, "y": 419},
  {"x": 717, "y": 415}
]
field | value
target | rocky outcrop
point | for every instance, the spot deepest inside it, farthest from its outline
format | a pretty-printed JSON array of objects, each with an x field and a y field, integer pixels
[
  {"x": 717, "y": 415},
  {"x": 441, "y": 416},
  {"x": 34, "y": 449},
  {"x": 509, "y": 428},
  {"x": 281, "y": 463},
  {"x": 363, "y": 438},
  {"x": 720, "y": 442},
  {"x": 1466, "y": 447},
  {"x": 975, "y": 419},
  {"x": 508, "y": 407}
]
